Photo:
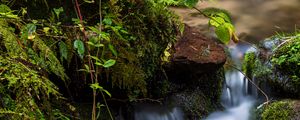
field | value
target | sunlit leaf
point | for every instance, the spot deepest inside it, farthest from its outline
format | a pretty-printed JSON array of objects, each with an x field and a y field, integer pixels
[
  {"x": 99, "y": 64},
  {"x": 223, "y": 34},
  {"x": 109, "y": 63},
  {"x": 79, "y": 46},
  {"x": 216, "y": 21},
  {"x": 106, "y": 92},
  {"x": 89, "y": 1}
]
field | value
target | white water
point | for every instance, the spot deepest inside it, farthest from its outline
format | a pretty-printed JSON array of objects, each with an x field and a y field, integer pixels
[
  {"x": 235, "y": 96},
  {"x": 156, "y": 112}
]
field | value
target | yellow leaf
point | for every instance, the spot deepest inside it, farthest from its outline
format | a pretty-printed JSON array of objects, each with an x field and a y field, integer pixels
[
  {"x": 235, "y": 38},
  {"x": 31, "y": 36},
  {"x": 46, "y": 30}
]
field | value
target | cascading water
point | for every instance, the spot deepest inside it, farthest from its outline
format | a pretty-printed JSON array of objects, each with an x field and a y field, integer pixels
[
  {"x": 238, "y": 93},
  {"x": 156, "y": 112}
]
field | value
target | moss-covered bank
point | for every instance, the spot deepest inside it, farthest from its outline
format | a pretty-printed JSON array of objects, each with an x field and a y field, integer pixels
[{"x": 280, "y": 110}]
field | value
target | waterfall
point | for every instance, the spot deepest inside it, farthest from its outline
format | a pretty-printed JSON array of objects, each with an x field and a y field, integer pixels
[
  {"x": 238, "y": 93},
  {"x": 155, "y": 112}
]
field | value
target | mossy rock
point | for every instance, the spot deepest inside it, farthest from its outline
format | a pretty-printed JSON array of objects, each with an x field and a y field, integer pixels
[
  {"x": 276, "y": 66},
  {"x": 281, "y": 110}
]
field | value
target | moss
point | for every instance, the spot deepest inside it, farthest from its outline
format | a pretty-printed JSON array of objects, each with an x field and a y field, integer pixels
[
  {"x": 280, "y": 110},
  {"x": 249, "y": 63}
]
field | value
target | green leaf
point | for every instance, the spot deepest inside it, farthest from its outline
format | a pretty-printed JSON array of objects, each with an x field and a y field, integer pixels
[
  {"x": 216, "y": 21},
  {"x": 109, "y": 63},
  {"x": 63, "y": 50},
  {"x": 95, "y": 58},
  {"x": 105, "y": 36},
  {"x": 107, "y": 21},
  {"x": 99, "y": 64},
  {"x": 225, "y": 17},
  {"x": 216, "y": 12},
  {"x": 4, "y": 9},
  {"x": 89, "y": 1},
  {"x": 188, "y": 3},
  {"x": 79, "y": 46},
  {"x": 96, "y": 86},
  {"x": 57, "y": 11},
  {"x": 223, "y": 34},
  {"x": 112, "y": 49},
  {"x": 106, "y": 92}
]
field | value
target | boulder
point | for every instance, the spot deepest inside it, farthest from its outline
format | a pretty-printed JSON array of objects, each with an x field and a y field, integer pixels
[
  {"x": 195, "y": 73},
  {"x": 196, "y": 53}
]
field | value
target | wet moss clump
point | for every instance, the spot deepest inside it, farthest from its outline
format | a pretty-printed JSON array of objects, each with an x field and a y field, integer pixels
[
  {"x": 280, "y": 110},
  {"x": 286, "y": 59}
]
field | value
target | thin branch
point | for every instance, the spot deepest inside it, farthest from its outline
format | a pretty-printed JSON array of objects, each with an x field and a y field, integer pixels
[{"x": 250, "y": 80}]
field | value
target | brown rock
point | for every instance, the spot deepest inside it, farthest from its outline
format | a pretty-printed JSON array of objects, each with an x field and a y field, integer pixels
[{"x": 194, "y": 52}]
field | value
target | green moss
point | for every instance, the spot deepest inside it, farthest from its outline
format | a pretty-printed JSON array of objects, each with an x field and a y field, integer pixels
[
  {"x": 249, "y": 63},
  {"x": 280, "y": 110}
]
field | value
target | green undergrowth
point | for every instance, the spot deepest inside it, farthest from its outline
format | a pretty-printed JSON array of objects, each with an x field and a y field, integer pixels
[
  {"x": 279, "y": 110},
  {"x": 25, "y": 86}
]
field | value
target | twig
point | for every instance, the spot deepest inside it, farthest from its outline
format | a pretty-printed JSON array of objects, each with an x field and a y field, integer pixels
[{"x": 258, "y": 88}]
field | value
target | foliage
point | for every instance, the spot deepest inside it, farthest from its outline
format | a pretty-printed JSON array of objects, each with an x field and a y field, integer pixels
[
  {"x": 120, "y": 41},
  {"x": 221, "y": 20},
  {"x": 253, "y": 66},
  {"x": 25, "y": 63},
  {"x": 286, "y": 59},
  {"x": 280, "y": 110}
]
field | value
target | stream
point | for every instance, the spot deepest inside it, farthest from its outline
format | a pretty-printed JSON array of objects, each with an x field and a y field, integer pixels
[
  {"x": 254, "y": 20},
  {"x": 238, "y": 94}
]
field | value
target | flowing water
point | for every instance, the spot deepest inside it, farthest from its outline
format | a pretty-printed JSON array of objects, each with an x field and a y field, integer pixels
[
  {"x": 157, "y": 112},
  {"x": 254, "y": 20},
  {"x": 238, "y": 94}
]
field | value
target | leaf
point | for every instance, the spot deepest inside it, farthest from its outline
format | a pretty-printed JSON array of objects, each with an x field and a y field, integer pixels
[
  {"x": 78, "y": 44},
  {"x": 46, "y": 30},
  {"x": 96, "y": 86},
  {"x": 217, "y": 12},
  {"x": 57, "y": 11},
  {"x": 4, "y": 9},
  {"x": 188, "y": 3},
  {"x": 106, "y": 92},
  {"x": 63, "y": 50},
  {"x": 216, "y": 21},
  {"x": 109, "y": 63},
  {"x": 223, "y": 34},
  {"x": 225, "y": 17},
  {"x": 89, "y": 1},
  {"x": 105, "y": 36},
  {"x": 95, "y": 58},
  {"x": 98, "y": 63},
  {"x": 107, "y": 21},
  {"x": 112, "y": 49}
]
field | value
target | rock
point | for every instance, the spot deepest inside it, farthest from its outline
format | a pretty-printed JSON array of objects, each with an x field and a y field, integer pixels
[
  {"x": 276, "y": 67},
  {"x": 196, "y": 73},
  {"x": 196, "y": 53}
]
